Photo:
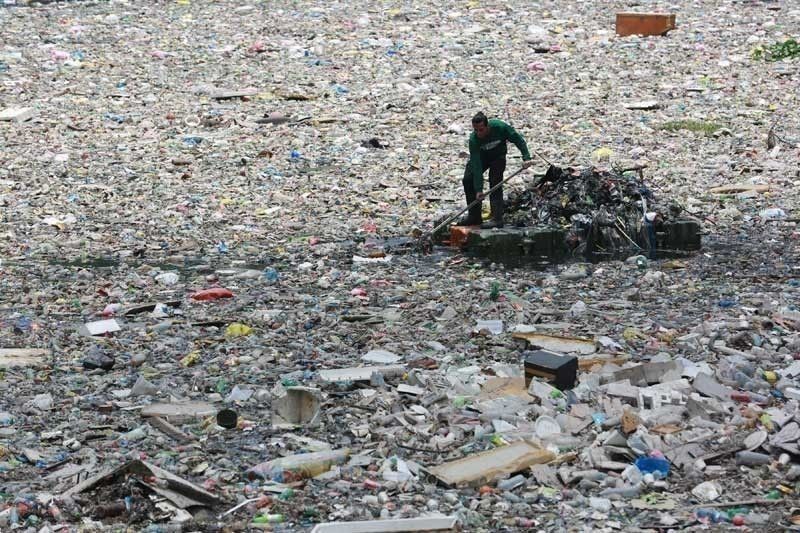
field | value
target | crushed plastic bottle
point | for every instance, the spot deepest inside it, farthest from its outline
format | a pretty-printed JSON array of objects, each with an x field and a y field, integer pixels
[
  {"x": 578, "y": 309},
  {"x": 602, "y": 505},
  {"x": 511, "y": 483},
  {"x": 773, "y": 213},
  {"x": 626, "y": 492},
  {"x": 268, "y": 518},
  {"x": 271, "y": 275},
  {"x": 710, "y": 516}
]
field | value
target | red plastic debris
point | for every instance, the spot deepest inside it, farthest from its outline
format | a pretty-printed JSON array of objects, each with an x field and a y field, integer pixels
[
  {"x": 741, "y": 397},
  {"x": 212, "y": 294}
]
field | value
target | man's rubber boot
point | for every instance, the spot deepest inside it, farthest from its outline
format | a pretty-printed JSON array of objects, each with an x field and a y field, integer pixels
[
  {"x": 469, "y": 220},
  {"x": 492, "y": 224}
]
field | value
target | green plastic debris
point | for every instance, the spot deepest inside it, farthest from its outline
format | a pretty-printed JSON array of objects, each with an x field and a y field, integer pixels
[
  {"x": 777, "y": 51},
  {"x": 495, "y": 292}
]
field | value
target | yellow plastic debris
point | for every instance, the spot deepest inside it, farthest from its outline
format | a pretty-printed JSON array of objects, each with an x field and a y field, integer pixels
[
  {"x": 602, "y": 154},
  {"x": 238, "y": 330},
  {"x": 191, "y": 358},
  {"x": 631, "y": 333}
]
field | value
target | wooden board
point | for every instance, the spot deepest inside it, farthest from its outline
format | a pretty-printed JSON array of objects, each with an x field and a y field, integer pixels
[
  {"x": 736, "y": 189},
  {"x": 179, "y": 412},
  {"x": 431, "y": 523},
  {"x": 359, "y": 373},
  {"x": 12, "y": 357},
  {"x": 558, "y": 344},
  {"x": 488, "y": 466}
]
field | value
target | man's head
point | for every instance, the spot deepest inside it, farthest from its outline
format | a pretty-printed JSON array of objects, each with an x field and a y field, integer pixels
[{"x": 481, "y": 125}]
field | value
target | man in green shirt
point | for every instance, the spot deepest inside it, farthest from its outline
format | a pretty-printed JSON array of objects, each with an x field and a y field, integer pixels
[{"x": 487, "y": 150}]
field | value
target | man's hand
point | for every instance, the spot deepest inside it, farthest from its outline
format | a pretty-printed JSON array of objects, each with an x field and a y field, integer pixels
[
  {"x": 527, "y": 164},
  {"x": 480, "y": 196}
]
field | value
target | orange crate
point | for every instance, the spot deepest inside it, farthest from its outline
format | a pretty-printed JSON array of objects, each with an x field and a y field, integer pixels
[{"x": 644, "y": 23}]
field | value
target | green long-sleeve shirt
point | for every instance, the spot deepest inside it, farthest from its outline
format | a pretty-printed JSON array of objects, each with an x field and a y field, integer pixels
[{"x": 493, "y": 146}]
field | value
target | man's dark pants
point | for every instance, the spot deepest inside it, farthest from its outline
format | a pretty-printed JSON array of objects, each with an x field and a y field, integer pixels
[{"x": 496, "y": 169}]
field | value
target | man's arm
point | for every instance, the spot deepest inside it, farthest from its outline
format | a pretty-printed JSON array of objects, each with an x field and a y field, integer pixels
[
  {"x": 518, "y": 141},
  {"x": 475, "y": 164}
]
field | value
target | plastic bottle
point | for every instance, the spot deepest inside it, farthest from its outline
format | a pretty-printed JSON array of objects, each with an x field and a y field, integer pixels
[
  {"x": 161, "y": 327},
  {"x": 135, "y": 434},
  {"x": 772, "y": 213},
  {"x": 632, "y": 475},
  {"x": 111, "y": 309},
  {"x": 511, "y": 483},
  {"x": 737, "y": 516},
  {"x": 578, "y": 309},
  {"x": 460, "y": 401},
  {"x": 637, "y": 444},
  {"x": 752, "y": 458},
  {"x": 622, "y": 492},
  {"x": 753, "y": 519},
  {"x": 163, "y": 528},
  {"x": 564, "y": 443},
  {"x": 268, "y": 519},
  {"x": 750, "y": 397},
  {"x": 710, "y": 516},
  {"x": 593, "y": 475},
  {"x": 737, "y": 376},
  {"x": 600, "y": 504},
  {"x": 760, "y": 399},
  {"x": 167, "y": 278},
  {"x": 55, "y": 512}
]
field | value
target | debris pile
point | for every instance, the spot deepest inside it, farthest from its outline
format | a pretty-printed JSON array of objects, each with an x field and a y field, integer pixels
[{"x": 603, "y": 209}]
